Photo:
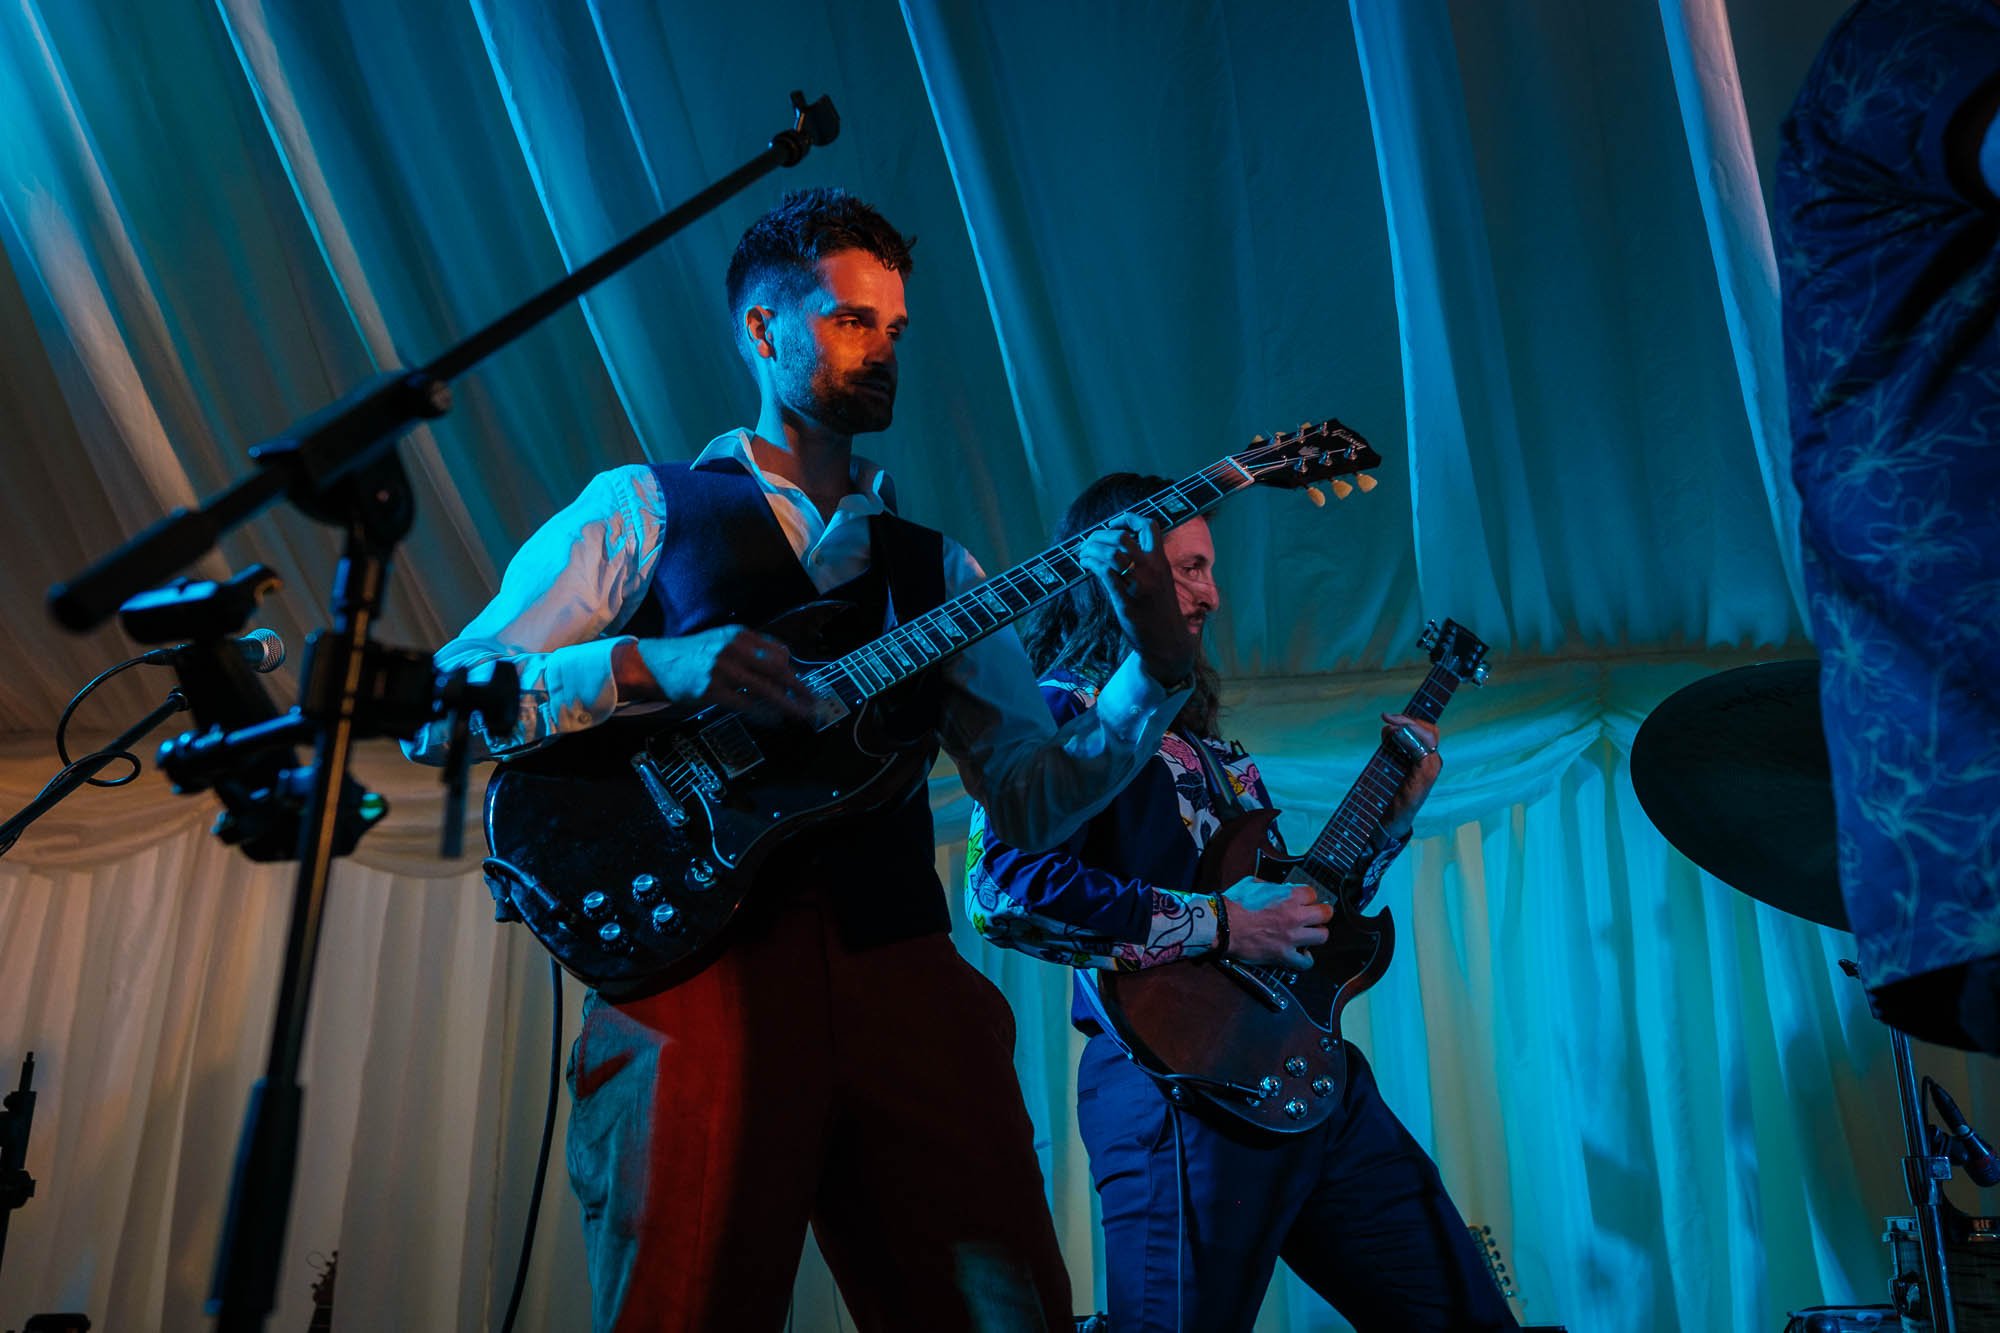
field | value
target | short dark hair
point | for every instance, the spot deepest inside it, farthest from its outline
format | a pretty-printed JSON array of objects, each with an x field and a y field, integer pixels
[
  {"x": 780, "y": 251},
  {"x": 1079, "y": 631}
]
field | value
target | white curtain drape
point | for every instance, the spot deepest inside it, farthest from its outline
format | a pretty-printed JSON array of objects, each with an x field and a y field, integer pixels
[
  {"x": 1664, "y": 1098},
  {"x": 1522, "y": 246}
]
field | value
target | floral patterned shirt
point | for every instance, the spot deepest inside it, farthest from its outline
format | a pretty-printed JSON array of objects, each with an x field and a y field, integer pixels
[
  {"x": 1116, "y": 894},
  {"x": 1889, "y": 258}
]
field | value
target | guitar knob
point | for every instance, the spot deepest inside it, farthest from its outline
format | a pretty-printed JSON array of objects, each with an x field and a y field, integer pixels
[
  {"x": 612, "y": 936},
  {"x": 1322, "y": 1086},
  {"x": 700, "y": 875},
  {"x": 1269, "y": 1085},
  {"x": 644, "y": 887},
  {"x": 1296, "y": 1109},
  {"x": 1296, "y": 1066},
  {"x": 665, "y": 919},
  {"x": 595, "y": 903}
]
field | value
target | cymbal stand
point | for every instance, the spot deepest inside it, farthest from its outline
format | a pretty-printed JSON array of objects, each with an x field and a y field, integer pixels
[{"x": 1923, "y": 1174}]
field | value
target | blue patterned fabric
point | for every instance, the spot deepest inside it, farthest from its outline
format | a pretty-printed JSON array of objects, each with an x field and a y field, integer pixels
[
  {"x": 1117, "y": 893},
  {"x": 1890, "y": 263}
]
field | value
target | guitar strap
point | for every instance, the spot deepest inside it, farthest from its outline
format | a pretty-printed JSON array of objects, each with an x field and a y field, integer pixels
[{"x": 1228, "y": 804}]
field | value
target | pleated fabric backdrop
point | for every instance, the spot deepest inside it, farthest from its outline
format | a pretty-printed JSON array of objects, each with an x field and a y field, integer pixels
[{"x": 1523, "y": 246}]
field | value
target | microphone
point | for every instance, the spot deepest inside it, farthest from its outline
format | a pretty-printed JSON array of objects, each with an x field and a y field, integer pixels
[
  {"x": 262, "y": 650},
  {"x": 1966, "y": 1148}
]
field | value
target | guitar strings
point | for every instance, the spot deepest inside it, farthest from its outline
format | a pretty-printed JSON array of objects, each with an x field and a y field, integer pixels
[{"x": 1223, "y": 477}]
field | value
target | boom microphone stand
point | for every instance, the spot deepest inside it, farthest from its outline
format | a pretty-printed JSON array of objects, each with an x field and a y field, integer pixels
[{"x": 339, "y": 467}]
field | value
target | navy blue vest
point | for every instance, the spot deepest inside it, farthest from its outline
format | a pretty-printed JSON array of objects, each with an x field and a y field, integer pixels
[{"x": 725, "y": 561}]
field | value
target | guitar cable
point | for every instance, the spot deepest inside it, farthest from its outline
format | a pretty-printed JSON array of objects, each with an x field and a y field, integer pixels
[{"x": 542, "y": 1158}]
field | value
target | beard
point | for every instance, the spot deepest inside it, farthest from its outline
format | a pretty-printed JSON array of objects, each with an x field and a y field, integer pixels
[
  {"x": 854, "y": 404},
  {"x": 846, "y": 403}
]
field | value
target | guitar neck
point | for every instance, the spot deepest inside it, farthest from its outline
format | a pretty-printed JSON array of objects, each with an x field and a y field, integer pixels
[
  {"x": 1345, "y": 843},
  {"x": 922, "y": 642}
]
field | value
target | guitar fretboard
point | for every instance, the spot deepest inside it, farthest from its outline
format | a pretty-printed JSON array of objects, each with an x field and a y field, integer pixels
[
  {"x": 1343, "y": 845},
  {"x": 924, "y": 640}
]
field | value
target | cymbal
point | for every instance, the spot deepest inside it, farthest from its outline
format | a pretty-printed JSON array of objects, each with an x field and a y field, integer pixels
[{"x": 1733, "y": 771}]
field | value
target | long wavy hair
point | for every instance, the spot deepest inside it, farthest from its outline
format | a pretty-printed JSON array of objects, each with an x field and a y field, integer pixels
[{"x": 1079, "y": 631}]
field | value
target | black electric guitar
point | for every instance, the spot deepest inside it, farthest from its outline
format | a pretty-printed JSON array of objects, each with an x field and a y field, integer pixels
[
  {"x": 628, "y": 848},
  {"x": 1260, "y": 1042}
]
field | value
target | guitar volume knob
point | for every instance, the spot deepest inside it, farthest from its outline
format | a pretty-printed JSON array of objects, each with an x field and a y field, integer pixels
[
  {"x": 644, "y": 887},
  {"x": 1296, "y": 1066},
  {"x": 1322, "y": 1086},
  {"x": 665, "y": 919},
  {"x": 595, "y": 903},
  {"x": 1269, "y": 1085},
  {"x": 1296, "y": 1109},
  {"x": 612, "y": 936}
]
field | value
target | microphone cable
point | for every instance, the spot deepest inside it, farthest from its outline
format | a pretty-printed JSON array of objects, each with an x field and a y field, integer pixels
[
  {"x": 99, "y": 758},
  {"x": 542, "y": 1159}
]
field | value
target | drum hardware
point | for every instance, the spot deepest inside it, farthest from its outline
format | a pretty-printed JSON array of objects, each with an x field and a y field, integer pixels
[{"x": 1733, "y": 770}]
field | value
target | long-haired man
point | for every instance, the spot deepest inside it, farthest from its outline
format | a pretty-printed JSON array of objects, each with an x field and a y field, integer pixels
[{"x": 1198, "y": 1208}]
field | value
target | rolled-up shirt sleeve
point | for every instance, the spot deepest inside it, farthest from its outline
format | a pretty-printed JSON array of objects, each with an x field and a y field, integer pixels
[
  {"x": 1037, "y": 781},
  {"x": 579, "y": 577}
]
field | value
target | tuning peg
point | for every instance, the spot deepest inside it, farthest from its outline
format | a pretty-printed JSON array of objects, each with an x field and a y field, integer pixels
[
  {"x": 1365, "y": 480},
  {"x": 1258, "y": 439},
  {"x": 1317, "y": 496},
  {"x": 1340, "y": 489}
]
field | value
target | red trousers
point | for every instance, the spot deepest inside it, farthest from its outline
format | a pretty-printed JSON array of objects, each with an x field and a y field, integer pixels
[{"x": 793, "y": 1082}]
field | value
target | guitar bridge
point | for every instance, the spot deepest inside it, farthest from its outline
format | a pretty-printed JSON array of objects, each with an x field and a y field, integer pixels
[{"x": 690, "y": 760}]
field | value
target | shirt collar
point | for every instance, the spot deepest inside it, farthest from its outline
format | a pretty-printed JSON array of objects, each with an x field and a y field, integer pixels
[{"x": 875, "y": 488}]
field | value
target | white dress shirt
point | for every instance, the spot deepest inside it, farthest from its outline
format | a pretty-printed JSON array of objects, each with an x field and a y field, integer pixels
[{"x": 579, "y": 578}]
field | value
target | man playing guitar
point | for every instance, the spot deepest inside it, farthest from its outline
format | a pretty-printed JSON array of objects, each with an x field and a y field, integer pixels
[
  {"x": 836, "y": 1064},
  {"x": 1198, "y": 1207}
]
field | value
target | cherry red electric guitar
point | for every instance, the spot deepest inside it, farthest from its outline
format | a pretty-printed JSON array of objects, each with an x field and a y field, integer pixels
[{"x": 1264, "y": 1043}]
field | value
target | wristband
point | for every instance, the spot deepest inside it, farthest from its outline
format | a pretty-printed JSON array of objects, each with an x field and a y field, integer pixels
[{"x": 1221, "y": 926}]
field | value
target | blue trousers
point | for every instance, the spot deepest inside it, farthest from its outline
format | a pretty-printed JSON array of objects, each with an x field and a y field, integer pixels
[{"x": 1355, "y": 1208}]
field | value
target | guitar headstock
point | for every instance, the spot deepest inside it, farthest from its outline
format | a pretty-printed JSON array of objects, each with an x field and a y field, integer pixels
[
  {"x": 1489, "y": 1250},
  {"x": 1317, "y": 451},
  {"x": 1456, "y": 649}
]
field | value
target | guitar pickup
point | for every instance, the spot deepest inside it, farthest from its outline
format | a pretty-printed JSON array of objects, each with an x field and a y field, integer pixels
[{"x": 827, "y": 709}]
